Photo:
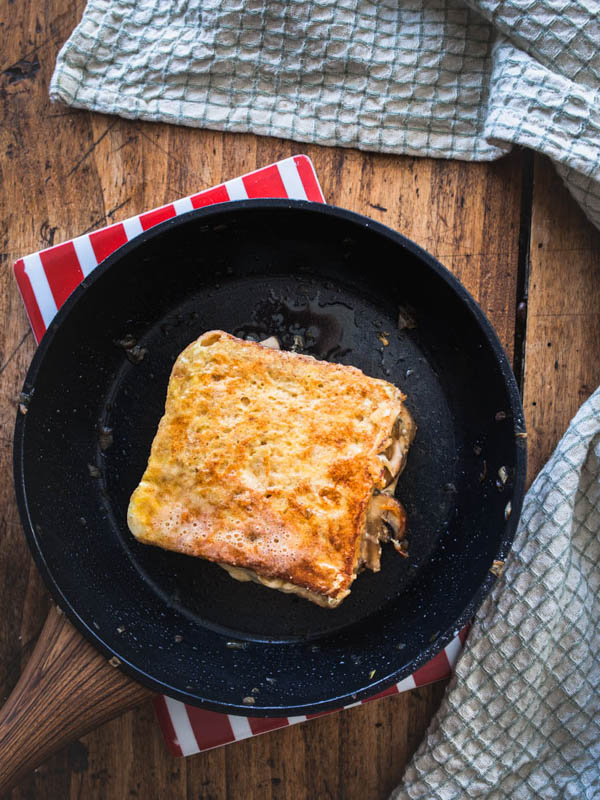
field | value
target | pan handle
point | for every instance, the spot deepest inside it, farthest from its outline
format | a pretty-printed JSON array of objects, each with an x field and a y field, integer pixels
[{"x": 66, "y": 690}]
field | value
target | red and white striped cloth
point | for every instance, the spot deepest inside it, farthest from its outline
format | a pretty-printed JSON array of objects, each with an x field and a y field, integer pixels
[
  {"x": 188, "y": 730},
  {"x": 45, "y": 280}
]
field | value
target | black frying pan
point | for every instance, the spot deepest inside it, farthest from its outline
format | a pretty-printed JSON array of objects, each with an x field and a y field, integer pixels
[{"x": 181, "y": 625}]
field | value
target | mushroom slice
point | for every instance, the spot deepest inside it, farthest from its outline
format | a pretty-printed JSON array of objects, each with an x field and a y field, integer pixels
[
  {"x": 390, "y": 489},
  {"x": 393, "y": 458},
  {"x": 391, "y": 513},
  {"x": 386, "y": 521},
  {"x": 272, "y": 342}
]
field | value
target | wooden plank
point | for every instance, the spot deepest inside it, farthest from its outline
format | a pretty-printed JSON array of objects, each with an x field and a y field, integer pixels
[
  {"x": 562, "y": 359},
  {"x": 467, "y": 215},
  {"x": 66, "y": 171}
]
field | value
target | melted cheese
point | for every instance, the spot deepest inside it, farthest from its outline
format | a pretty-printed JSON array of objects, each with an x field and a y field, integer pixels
[{"x": 241, "y": 574}]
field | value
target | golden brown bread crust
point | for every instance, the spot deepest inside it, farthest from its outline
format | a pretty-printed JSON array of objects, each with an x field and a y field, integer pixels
[{"x": 267, "y": 460}]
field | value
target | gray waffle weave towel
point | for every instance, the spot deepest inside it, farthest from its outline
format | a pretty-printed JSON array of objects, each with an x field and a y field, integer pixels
[
  {"x": 461, "y": 79},
  {"x": 521, "y": 719}
]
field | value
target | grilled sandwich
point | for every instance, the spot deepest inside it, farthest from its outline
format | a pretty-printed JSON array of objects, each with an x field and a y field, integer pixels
[{"x": 278, "y": 467}]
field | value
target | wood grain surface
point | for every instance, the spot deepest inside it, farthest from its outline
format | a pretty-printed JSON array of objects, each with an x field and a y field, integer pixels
[
  {"x": 562, "y": 360},
  {"x": 64, "y": 172},
  {"x": 68, "y": 678}
]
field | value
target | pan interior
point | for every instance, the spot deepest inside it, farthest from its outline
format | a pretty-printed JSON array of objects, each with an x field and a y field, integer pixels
[
  {"x": 333, "y": 323},
  {"x": 256, "y": 269}
]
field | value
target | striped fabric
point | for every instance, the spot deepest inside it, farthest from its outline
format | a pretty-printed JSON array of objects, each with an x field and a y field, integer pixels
[
  {"x": 47, "y": 278},
  {"x": 188, "y": 730}
]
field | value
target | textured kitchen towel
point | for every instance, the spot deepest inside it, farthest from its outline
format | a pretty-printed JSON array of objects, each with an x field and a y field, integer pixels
[
  {"x": 461, "y": 79},
  {"x": 521, "y": 719}
]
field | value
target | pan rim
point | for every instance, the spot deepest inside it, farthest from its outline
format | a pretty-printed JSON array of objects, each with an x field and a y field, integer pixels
[{"x": 502, "y": 362}]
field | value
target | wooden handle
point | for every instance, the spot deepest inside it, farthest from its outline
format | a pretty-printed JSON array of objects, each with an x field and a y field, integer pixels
[{"x": 66, "y": 690}]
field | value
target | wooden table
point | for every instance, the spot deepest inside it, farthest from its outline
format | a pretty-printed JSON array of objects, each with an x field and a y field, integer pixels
[{"x": 508, "y": 230}]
